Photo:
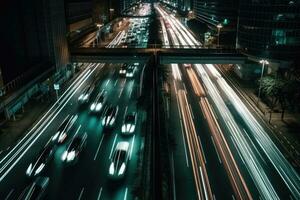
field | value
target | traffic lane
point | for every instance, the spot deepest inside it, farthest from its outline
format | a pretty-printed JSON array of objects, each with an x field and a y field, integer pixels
[
  {"x": 261, "y": 157},
  {"x": 17, "y": 174},
  {"x": 216, "y": 171},
  {"x": 103, "y": 176},
  {"x": 116, "y": 189},
  {"x": 45, "y": 117},
  {"x": 184, "y": 185},
  {"x": 75, "y": 100},
  {"x": 242, "y": 153},
  {"x": 92, "y": 125}
]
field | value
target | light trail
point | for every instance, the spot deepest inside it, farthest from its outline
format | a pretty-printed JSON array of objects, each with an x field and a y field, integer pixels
[
  {"x": 222, "y": 148},
  {"x": 282, "y": 166},
  {"x": 188, "y": 128},
  {"x": 196, "y": 152},
  {"x": 29, "y": 143},
  {"x": 245, "y": 147},
  {"x": 253, "y": 165}
]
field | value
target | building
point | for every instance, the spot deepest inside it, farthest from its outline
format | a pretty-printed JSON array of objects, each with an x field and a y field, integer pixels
[
  {"x": 32, "y": 38},
  {"x": 79, "y": 14},
  {"x": 218, "y": 12},
  {"x": 269, "y": 30}
]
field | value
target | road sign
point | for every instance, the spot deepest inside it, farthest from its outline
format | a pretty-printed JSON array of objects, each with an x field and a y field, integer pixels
[{"x": 56, "y": 86}]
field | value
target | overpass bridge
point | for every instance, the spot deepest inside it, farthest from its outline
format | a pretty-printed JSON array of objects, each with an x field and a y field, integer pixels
[{"x": 164, "y": 55}]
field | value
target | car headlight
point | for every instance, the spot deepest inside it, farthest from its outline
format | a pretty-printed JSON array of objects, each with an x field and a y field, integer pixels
[
  {"x": 132, "y": 128},
  {"x": 92, "y": 107},
  {"x": 122, "y": 169},
  {"x": 112, "y": 121},
  {"x": 28, "y": 171},
  {"x": 123, "y": 128},
  {"x": 80, "y": 97},
  {"x": 99, "y": 106},
  {"x": 111, "y": 169},
  {"x": 55, "y": 136},
  {"x": 64, "y": 156},
  {"x": 85, "y": 97},
  {"x": 103, "y": 121},
  {"x": 130, "y": 75},
  {"x": 62, "y": 137},
  {"x": 41, "y": 167},
  {"x": 71, "y": 156}
]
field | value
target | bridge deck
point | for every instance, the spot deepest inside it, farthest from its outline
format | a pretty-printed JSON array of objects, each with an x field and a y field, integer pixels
[{"x": 166, "y": 55}]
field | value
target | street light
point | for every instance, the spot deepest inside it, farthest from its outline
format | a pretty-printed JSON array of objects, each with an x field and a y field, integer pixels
[
  {"x": 219, "y": 26},
  {"x": 263, "y": 62}
]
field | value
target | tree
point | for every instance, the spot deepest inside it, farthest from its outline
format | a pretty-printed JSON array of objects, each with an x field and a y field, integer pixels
[{"x": 274, "y": 87}]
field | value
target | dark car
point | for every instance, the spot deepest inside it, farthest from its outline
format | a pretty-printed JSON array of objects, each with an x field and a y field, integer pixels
[
  {"x": 99, "y": 102},
  {"x": 35, "y": 190},
  {"x": 110, "y": 116},
  {"x": 123, "y": 69},
  {"x": 64, "y": 129},
  {"x": 130, "y": 70},
  {"x": 86, "y": 94},
  {"x": 71, "y": 154},
  {"x": 39, "y": 163},
  {"x": 129, "y": 123}
]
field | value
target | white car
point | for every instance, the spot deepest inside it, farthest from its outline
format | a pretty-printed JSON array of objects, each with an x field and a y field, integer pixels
[
  {"x": 129, "y": 123},
  {"x": 119, "y": 160}
]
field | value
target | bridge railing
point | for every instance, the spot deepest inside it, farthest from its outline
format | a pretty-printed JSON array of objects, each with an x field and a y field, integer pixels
[{"x": 159, "y": 47}]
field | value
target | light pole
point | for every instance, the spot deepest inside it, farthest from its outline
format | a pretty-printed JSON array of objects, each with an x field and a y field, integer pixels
[
  {"x": 263, "y": 62},
  {"x": 219, "y": 26}
]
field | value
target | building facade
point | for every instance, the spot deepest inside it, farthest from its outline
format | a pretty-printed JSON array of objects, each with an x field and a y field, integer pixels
[
  {"x": 218, "y": 12},
  {"x": 33, "y": 38},
  {"x": 269, "y": 29}
]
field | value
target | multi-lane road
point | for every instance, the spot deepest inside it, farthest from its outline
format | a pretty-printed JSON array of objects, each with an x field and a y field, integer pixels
[
  {"x": 88, "y": 178},
  {"x": 223, "y": 148}
]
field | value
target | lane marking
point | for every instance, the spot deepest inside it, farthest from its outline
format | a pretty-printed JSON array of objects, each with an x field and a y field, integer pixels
[
  {"x": 84, "y": 73},
  {"x": 125, "y": 195},
  {"x": 36, "y": 132},
  {"x": 107, "y": 82},
  {"x": 216, "y": 149},
  {"x": 9, "y": 194},
  {"x": 185, "y": 151},
  {"x": 95, "y": 157},
  {"x": 99, "y": 195},
  {"x": 198, "y": 137},
  {"x": 81, "y": 193},
  {"x": 132, "y": 144},
  {"x": 125, "y": 112},
  {"x": 116, "y": 82},
  {"x": 22, "y": 154},
  {"x": 112, "y": 148}
]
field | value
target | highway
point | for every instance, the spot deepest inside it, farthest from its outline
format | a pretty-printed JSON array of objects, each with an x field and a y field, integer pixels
[
  {"x": 88, "y": 178},
  {"x": 221, "y": 148},
  {"x": 253, "y": 163}
]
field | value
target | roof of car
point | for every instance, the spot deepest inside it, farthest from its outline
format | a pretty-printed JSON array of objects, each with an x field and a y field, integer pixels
[{"x": 122, "y": 146}]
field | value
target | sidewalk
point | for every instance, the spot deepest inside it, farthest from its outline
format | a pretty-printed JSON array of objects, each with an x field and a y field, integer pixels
[
  {"x": 13, "y": 130},
  {"x": 286, "y": 131}
]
